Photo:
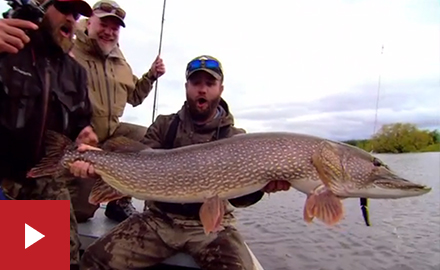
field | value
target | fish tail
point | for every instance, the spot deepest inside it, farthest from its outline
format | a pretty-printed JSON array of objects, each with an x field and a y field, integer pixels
[
  {"x": 102, "y": 192},
  {"x": 55, "y": 143},
  {"x": 121, "y": 144}
]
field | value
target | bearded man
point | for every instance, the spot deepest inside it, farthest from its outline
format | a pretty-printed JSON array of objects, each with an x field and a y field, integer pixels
[
  {"x": 42, "y": 88},
  {"x": 163, "y": 229},
  {"x": 111, "y": 85}
]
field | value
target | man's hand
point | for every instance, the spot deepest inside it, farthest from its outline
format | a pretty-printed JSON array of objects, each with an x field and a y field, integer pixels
[
  {"x": 81, "y": 168},
  {"x": 276, "y": 186},
  {"x": 87, "y": 136},
  {"x": 157, "y": 68},
  {"x": 12, "y": 37}
]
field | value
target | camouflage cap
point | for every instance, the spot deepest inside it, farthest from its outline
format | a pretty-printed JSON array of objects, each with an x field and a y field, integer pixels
[
  {"x": 205, "y": 63},
  {"x": 107, "y": 8}
]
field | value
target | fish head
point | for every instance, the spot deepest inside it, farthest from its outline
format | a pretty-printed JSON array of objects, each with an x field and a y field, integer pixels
[{"x": 354, "y": 173}]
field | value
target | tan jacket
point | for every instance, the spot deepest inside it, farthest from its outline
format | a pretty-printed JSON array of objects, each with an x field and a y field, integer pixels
[{"x": 111, "y": 83}]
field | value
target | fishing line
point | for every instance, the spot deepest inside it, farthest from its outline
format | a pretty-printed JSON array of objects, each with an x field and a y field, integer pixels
[
  {"x": 160, "y": 49},
  {"x": 377, "y": 97},
  {"x": 364, "y": 201}
]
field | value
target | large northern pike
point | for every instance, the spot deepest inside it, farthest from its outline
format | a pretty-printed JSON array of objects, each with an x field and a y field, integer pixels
[{"x": 324, "y": 170}]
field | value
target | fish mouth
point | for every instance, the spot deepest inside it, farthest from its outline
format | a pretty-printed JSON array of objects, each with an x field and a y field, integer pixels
[{"x": 391, "y": 188}]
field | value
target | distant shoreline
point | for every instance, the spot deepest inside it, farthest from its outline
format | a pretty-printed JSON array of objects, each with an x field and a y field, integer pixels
[
  {"x": 367, "y": 146},
  {"x": 407, "y": 153},
  {"x": 399, "y": 138}
]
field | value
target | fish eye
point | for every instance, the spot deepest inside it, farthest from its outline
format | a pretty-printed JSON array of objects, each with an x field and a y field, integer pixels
[{"x": 377, "y": 163}]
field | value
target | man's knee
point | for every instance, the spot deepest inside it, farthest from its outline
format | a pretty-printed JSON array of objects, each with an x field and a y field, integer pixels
[
  {"x": 227, "y": 251},
  {"x": 75, "y": 243},
  {"x": 132, "y": 131},
  {"x": 95, "y": 256},
  {"x": 132, "y": 244},
  {"x": 79, "y": 190}
]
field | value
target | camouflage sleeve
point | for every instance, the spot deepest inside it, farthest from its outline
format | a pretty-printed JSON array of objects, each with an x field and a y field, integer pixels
[
  {"x": 250, "y": 199},
  {"x": 142, "y": 89},
  {"x": 154, "y": 135}
]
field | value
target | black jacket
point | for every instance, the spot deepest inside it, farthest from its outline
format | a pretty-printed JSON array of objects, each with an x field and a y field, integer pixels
[{"x": 23, "y": 78}]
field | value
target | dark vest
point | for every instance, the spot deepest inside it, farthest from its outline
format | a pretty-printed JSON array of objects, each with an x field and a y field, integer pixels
[{"x": 189, "y": 209}]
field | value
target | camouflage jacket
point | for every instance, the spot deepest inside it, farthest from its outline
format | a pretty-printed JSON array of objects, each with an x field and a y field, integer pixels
[
  {"x": 111, "y": 83},
  {"x": 186, "y": 134},
  {"x": 24, "y": 78}
]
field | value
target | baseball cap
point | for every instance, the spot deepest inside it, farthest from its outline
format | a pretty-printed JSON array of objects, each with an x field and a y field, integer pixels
[
  {"x": 81, "y": 6},
  {"x": 205, "y": 63},
  {"x": 106, "y": 8}
]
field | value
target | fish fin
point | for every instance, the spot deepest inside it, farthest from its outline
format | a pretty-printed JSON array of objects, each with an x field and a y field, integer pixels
[
  {"x": 324, "y": 205},
  {"x": 55, "y": 143},
  {"x": 330, "y": 166},
  {"x": 121, "y": 144},
  {"x": 102, "y": 192},
  {"x": 211, "y": 214}
]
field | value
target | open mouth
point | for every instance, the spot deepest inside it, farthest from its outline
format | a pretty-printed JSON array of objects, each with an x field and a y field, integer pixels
[
  {"x": 202, "y": 101},
  {"x": 65, "y": 31}
]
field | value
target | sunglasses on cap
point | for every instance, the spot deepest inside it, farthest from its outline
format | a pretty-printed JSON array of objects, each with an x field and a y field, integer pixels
[
  {"x": 66, "y": 8},
  {"x": 109, "y": 8},
  {"x": 204, "y": 63}
]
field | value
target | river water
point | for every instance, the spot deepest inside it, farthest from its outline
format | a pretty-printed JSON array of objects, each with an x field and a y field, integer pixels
[{"x": 405, "y": 233}]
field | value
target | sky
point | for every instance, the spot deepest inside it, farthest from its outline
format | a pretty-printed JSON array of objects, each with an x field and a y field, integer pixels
[{"x": 300, "y": 66}]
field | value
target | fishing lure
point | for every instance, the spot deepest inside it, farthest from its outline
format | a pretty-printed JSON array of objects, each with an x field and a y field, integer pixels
[{"x": 365, "y": 212}]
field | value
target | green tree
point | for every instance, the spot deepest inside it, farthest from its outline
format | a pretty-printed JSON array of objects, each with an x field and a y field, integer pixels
[
  {"x": 401, "y": 138},
  {"x": 435, "y": 134}
]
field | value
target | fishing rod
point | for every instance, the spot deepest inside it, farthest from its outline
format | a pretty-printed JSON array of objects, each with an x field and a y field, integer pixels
[
  {"x": 377, "y": 98},
  {"x": 160, "y": 49},
  {"x": 364, "y": 201}
]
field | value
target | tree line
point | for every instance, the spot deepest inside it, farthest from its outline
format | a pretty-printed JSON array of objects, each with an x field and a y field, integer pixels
[{"x": 400, "y": 138}]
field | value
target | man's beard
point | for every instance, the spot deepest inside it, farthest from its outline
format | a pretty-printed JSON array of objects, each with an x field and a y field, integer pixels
[
  {"x": 202, "y": 115},
  {"x": 102, "y": 48},
  {"x": 54, "y": 33},
  {"x": 106, "y": 49}
]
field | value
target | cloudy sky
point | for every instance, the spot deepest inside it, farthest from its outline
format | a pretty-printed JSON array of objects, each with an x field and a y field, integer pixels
[{"x": 302, "y": 66}]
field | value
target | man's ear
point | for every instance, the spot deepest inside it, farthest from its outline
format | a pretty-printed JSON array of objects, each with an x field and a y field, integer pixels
[{"x": 221, "y": 89}]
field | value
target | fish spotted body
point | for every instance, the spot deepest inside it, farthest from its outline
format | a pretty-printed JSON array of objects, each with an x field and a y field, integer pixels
[{"x": 209, "y": 173}]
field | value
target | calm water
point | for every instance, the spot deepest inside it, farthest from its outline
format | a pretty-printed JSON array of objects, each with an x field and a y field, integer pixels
[{"x": 405, "y": 233}]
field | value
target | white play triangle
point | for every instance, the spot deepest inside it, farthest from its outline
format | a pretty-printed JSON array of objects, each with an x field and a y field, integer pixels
[{"x": 31, "y": 236}]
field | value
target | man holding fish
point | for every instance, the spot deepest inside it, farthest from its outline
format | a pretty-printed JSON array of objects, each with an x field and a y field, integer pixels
[
  {"x": 41, "y": 88},
  {"x": 165, "y": 228},
  {"x": 192, "y": 211}
]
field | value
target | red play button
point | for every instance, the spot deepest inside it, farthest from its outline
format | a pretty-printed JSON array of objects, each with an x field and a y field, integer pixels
[
  {"x": 31, "y": 236},
  {"x": 46, "y": 234}
]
